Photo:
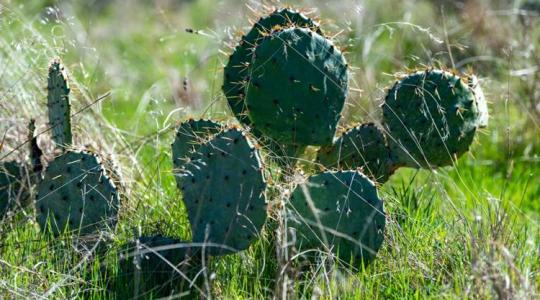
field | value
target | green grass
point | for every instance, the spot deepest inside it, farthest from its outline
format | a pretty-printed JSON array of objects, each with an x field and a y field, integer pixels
[{"x": 470, "y": 231}]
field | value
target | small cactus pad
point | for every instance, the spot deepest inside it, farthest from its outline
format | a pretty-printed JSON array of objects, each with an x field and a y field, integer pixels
[
  {"x": 76, "y": 194},
  {"x": 163, "y": 266},
  {"x": 11, "y": 177},
  {"x": 297, "y": 88},
  {"x": 431, "y": 118},
  {"x": 223, "y": 190},
  {"x": 340, "y": 211},
  {"x": 361, "y": 147},
  {"x": 58, "y": 104},
  {"x": 190, "y": 135},
  {"x": 236, "y": 71}
]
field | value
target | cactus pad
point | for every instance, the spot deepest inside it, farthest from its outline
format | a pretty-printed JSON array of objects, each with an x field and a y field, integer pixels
[
  {"x": 76, "y": 194},
  {"x": 189, "y": 136},
  {"x": 11, "y": 187},
  {"x": 58, "y": 104},
  {"x": 362, "y": 147},
  {"x": 340, "y": 211},
  {"x": 164, "y": 266},
  {"x": 223, "y": 190},
  {"x": 236, "y": 71},
  {"x": 431, "y": 118},
  {"x": 297, "y": 88}
]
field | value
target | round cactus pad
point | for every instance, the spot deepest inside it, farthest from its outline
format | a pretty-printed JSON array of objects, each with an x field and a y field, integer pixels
[
  {"x": 297, "y": 87},
  {"x": 236, "y": 71},
  {"x": 223, "y": 190},
  {"x": 76, "y": 195},
  {"x": 431, "y": 118},
  {"x": 363, "y": 147},
  {"x": 340, "y": 212}
]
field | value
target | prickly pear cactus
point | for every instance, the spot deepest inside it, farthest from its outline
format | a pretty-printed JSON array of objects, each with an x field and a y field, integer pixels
[
  {"x": 160, "y": 267},
  {"x": 11, "y": 187},
  {"x": 363, "y": 147},
  {"x": 76, "y": 194},
  {"x": 297, "y": 87},
  {"x": 341, "y": 212},
  {"x": 58, "y": 104},
  {"x": 431, "y": 118},
  {"x": 236, "y": 72},
  {"x": 190, "y": 135},
  {"x": 223, "y": 190}
]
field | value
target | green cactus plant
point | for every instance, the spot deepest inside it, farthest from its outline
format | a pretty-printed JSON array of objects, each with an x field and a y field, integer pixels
[
  {"x": 223, "y": 190},
  {"x": 58, "y": 104},
  {"x": 298, "y": 78},
  {"x": 236, "y": 72},
  {"x": 431, "y": 118},
  {"x": 190, "y": 135},
  {"x": 158, "y": 266},
  {"x": 341, "y": 212},
  {"x": 76, "y": 194},
  {"x": 362, "y": 147}
]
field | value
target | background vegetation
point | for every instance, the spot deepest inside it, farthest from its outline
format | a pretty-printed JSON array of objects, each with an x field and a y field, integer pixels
[{"x": 137, "y": 67}]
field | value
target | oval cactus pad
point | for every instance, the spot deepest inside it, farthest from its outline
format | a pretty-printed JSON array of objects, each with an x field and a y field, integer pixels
[
  {"x": 236, "y": 71},
  {"x": 76, "y": 195},
  {"x": 297, "y": 87},
  {"x": 223, "y": 190},
  {"x": 431, "y": 118}
]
